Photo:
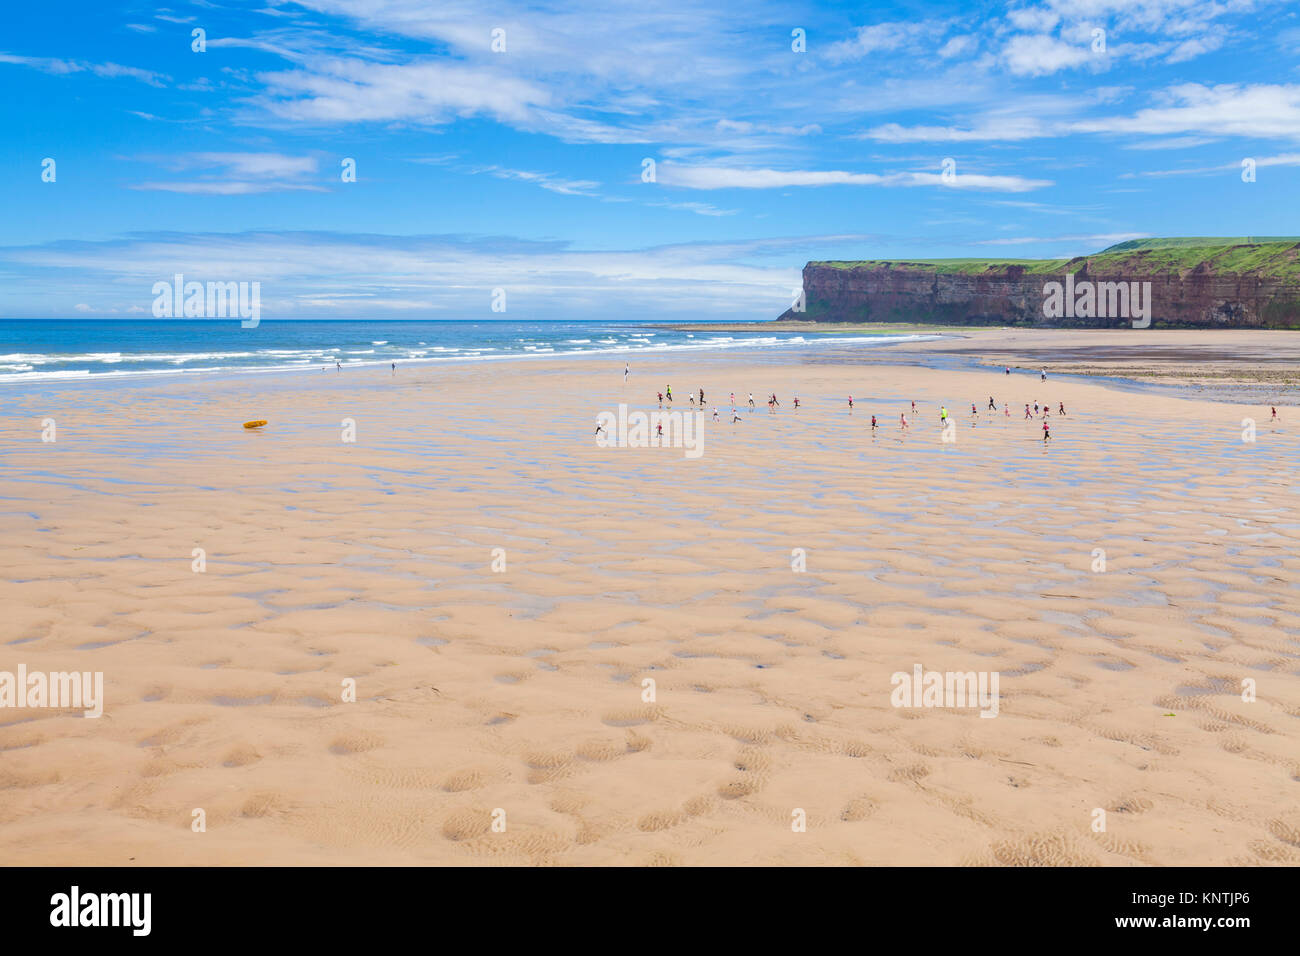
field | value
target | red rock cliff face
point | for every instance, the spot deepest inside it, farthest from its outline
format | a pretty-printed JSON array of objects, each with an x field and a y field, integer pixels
[{"x": 1010, "y": 296}]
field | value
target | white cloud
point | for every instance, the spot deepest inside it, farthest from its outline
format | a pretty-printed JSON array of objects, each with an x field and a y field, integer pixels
[
  {"x": 212, "y": 188},
  {"x": 1259, "y": 111},
  {"x": 1033, "y": 19},
  {"x": 259, "y": 164},
  {"x": 1007, "y": 129},
  {"x": 1190, "y": 49},
  {"x": 304, "y": 273},
  {"x": 1284, "y": 159},
  {"x": 236, "y": 174},
  {"x": 881, "y": 38},
  {"x": 1262, "y": 111},
  {"x": 349, "y": 91},
  {"x": 730, "y": 177},
  {"x": 107, "y": 70},
  {"x": 958, "y": 46},
  {"x": 548, "y": 181},
  {"x": 699, "y": 208},
  {"x": 1107, "y": 238},
  {"x": 1041, "y": 55}
]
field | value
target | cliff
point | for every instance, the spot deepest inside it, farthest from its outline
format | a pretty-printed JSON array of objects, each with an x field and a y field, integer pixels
[{"x": 1206, "y": 283}]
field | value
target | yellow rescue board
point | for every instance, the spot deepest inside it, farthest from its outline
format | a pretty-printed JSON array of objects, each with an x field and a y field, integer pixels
[{"x": 257, "y": 424}]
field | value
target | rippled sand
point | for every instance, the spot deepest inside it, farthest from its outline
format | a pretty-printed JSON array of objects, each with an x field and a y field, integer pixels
[{"x": 522, "y": 691}]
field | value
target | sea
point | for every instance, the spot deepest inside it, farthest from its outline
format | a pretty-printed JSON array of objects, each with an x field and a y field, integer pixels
[{"x": 76, "y": 349}]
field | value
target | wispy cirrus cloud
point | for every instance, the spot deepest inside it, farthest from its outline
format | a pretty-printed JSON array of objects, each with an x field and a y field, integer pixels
[
  {"x": 732, "y": 177},
  {"x": 237, "y": 174},
  {"x": 1262, "y": 162},
  {"x": 1257, "y": 111},
  {"x": 548, "y": 181},
  {"x": 432, "y": 93},
  {"x": 60, "y": 67},
  {"x": 305, "y": 274},
  {"x": 699, "y": 208},
  {"x": 1105, "y": 238},
  {"x": 887, "y": 37}
]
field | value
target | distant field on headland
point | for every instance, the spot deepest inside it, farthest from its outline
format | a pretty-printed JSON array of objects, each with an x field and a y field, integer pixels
[{"x": 1267, "y": 256}]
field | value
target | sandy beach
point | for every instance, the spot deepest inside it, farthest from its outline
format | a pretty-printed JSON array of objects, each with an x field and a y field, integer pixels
[{"x": 515, "y": 695}]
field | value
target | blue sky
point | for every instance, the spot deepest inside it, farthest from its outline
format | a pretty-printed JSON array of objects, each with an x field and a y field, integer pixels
[{"x": 1070, "y": 124}]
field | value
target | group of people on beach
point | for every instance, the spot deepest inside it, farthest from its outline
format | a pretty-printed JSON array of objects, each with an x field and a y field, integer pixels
[
  {"x": 1040, "y": 410},
  {"x": 773, "y": 403}
]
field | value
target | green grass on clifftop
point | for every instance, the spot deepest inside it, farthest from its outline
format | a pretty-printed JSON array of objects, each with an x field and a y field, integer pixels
[{"x": 1273, "y": 257}]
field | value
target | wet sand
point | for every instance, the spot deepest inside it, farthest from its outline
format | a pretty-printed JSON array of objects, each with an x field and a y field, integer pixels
[
  {"x": 522, "y": 690},
  {"x": 1247, "y": 366}
]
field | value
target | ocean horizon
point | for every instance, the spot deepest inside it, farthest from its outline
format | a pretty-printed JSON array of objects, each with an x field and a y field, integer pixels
[{"x": 82, "y": 349}]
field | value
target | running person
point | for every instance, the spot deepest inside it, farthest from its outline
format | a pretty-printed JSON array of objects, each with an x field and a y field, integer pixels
[{"x": 1047, "y": 432}]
